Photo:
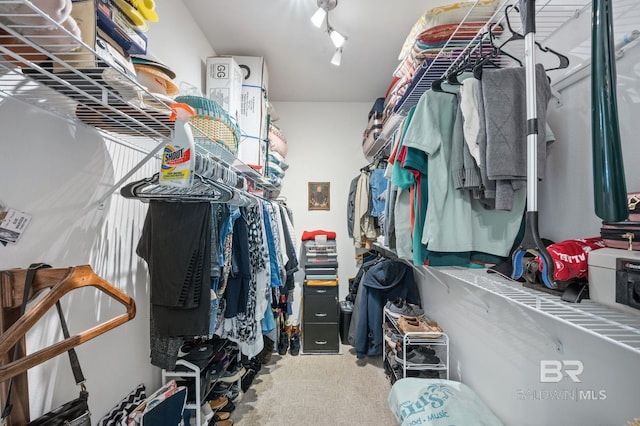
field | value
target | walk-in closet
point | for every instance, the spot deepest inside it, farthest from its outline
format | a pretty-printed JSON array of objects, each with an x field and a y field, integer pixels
[{"x": 311, "y": 212}]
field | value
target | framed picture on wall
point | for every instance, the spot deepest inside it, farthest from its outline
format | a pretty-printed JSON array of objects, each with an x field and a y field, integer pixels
[{"x": 319, "y": 196}]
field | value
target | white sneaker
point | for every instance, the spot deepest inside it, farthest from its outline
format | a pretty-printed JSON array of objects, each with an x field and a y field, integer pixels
[{"x": 206, "y": 414}]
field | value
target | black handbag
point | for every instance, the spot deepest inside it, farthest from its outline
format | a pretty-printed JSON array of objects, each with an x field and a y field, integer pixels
[{"x": 72, "y": 413}]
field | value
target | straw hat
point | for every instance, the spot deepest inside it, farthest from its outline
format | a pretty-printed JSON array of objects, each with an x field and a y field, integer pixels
[
  {"x": 151, "y": 60},
  {"x": 155, "y": 80}
]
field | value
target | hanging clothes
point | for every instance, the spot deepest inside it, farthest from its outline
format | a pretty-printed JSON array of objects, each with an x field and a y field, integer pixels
[
  {"x": 176, "y": 245},
  {"x": 455, "y": 222},
  {"x": 364, "y": 229}
]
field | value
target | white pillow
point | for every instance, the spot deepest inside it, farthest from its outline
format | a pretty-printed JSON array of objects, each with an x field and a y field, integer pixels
[{"x": 438, "y": 402}]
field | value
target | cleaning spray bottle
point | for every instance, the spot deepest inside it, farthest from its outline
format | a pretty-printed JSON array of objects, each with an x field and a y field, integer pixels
[{"x": 178, "y": 157}]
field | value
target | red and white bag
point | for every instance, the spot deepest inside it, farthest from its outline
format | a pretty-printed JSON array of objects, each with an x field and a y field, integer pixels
[{"x": 570, "y": 257}]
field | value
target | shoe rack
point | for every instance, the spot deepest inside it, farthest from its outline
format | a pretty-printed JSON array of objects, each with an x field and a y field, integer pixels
[
  {"x": 187, "y": 370},
  {"x": 395, "y": 361}
]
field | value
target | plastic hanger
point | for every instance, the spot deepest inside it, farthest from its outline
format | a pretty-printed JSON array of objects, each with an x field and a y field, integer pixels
[
  {"x": 436, "y": 86},
  {"x": 61, "y": 281},
  {"x": 488, "y": 59},
  {"x": 203, "y": 189},
  {"x": 563, "y": 60}
]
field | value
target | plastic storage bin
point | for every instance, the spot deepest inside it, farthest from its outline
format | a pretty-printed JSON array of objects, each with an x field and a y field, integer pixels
[{"x": 346, "y": 310}]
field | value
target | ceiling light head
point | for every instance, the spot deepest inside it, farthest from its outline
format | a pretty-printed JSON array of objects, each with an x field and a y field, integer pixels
[
  {"x": 337, "y": 57},
  {"x": 337, "y": 38},
  {"x": 318, "y": 18},
  {"x": 324, "y": 6}
]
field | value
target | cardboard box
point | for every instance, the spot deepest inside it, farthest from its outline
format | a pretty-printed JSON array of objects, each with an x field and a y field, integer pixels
[
  {"x": 253, "y": 108},
  {"x": 254, "y": 71},
  {"x": 253, "y": 152},
  {"x": 224, "y": 84}
]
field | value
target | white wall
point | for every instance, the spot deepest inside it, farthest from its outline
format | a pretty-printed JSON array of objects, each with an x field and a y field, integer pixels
[
  {"x": 324, "y": 145},
  {"x": 56, "y": 171}
]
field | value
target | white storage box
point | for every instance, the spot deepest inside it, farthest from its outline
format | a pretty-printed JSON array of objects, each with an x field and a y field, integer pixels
[
  {"x": 603, "y": 265},
  {"x": 224, "y": 84},
  {"x": 253, "y": 108},
  {"x": 254, "y": 70},
  {"x": 253, "y": 152}
]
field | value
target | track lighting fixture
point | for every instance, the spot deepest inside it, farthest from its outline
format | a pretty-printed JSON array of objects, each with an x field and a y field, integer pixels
[
  {"x": 337, "y": 57},
  {"x": 322, "y": 15}
]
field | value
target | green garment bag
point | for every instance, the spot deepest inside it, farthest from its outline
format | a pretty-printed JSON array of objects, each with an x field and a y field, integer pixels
[{"x": 609, "y": 187}]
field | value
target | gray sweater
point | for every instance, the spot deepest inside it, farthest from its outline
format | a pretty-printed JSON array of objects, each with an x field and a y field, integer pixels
[{"x": 504, "y": 99}]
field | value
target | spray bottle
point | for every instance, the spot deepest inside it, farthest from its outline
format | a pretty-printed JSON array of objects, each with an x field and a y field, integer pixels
[{"x": 178, "y": 157}]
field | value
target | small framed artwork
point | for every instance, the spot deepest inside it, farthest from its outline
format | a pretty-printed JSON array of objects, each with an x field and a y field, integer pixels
[{"x": 319, "y": 198}]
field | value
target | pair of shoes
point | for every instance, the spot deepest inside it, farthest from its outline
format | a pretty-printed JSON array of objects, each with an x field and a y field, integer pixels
[
  {"x": 232, "y": 393},
  {"x": 424, "y": 374},
  {"x": 252, "y": 369},
  {"x": 400, "y": 308},
  {"x": 267, "y": 350},
  {"x": 415, "y": 357},
  {"x": 218, "y": 403},
  {"x": 206, "y": 412},
  {"x": 419, "y": 325},
  {"x": 233, "y": 375},
  {"x": 289, "y": 339},
  {"x": 227, "y": 422},
  {"x": 247, "y": 379},
  {"x": 283, "y": 342},
  {"x": 226, "y": 409},
  {"x": 293, "y": 330},
  {"x": 391, "y": 336},
  {"x": 294, "y": 344}
]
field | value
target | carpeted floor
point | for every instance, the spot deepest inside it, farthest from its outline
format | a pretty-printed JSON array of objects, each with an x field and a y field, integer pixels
[{"x": 315, "y": 390}]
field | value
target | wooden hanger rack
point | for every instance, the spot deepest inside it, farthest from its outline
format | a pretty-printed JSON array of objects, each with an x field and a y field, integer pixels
[{"x": 61, "y": 281}]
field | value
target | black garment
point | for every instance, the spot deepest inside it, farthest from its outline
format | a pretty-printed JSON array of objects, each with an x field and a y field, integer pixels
[
  {"x": 385, "y": 281},
  {"x": 219, "y": 214},
  {"x": 351, "y": 205},
  {"x": 292, "y": 264},
  {"x": 355, "y": 283},
  {"x": 176, "y": 244},
  {"x": 237, "y": 289}
]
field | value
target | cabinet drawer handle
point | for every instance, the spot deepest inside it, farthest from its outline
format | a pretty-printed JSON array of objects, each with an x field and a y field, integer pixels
[
  {"x": 321, "y": 315},
  {"x": 321, "y": 291},
  {"x": 321, "y": 342}
]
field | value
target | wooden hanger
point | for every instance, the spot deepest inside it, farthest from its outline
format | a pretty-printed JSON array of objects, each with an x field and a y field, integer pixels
[{"x": 61, "y": 281}]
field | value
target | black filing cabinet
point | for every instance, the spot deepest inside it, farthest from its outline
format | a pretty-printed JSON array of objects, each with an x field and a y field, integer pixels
[{"x": 320, "y": 314}]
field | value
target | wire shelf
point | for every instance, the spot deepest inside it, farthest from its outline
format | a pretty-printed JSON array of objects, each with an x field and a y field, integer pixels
[
  {"x": 45, "y": 65},
  {"x": 550, "y": 16},
  {"x": 591, "y": 317}
]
